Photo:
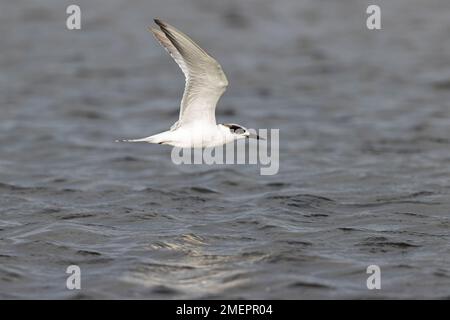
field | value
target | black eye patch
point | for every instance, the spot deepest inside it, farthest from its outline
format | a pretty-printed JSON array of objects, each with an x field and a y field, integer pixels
[{"x": 235, "y": 128}]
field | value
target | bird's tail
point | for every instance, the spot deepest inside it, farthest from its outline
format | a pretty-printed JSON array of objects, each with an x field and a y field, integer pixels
[
  {"x": 157, "y": 138},
  {"x": 134, "y": 140}
]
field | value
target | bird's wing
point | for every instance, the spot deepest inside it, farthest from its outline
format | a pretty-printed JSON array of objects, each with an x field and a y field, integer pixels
[{"x": 205, "y": 80}]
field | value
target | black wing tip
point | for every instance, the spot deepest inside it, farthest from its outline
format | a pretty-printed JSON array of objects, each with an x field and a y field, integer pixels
[
  {"x": 159, "y": 22},
  {"x": 162, "y": 25}
]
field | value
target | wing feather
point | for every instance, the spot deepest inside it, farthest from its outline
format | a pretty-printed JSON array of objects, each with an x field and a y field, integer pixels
[{"x": 205, "y": 79}]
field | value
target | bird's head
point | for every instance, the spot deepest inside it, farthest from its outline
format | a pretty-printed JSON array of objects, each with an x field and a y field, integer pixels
[{"x": 239, "y": 132}]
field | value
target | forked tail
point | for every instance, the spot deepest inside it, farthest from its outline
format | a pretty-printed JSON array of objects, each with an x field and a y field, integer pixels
[
  {"x": 157, "y": 138},
  {"x": 134, "y": 140}
]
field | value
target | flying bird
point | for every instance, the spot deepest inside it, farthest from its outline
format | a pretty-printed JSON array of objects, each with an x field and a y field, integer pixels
[{"x": 205, "y": 83}]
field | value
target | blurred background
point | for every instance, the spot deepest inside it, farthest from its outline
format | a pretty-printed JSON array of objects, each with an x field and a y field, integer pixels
[{"x": 364, "y": 152}]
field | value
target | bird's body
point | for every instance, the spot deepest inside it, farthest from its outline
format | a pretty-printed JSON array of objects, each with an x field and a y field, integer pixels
[
  {"x": 192, "y": 136},
  {"x": 205, "y": 84}
]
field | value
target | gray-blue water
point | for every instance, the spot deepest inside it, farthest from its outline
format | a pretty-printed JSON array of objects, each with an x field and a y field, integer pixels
[{"x": 364, "y": 119}]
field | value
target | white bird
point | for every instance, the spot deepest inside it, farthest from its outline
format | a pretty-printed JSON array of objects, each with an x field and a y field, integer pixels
[{"x": 205, "y": 84}]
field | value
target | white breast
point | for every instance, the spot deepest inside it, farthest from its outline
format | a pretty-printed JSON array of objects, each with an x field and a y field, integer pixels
[{"x": 199, "y": 136}]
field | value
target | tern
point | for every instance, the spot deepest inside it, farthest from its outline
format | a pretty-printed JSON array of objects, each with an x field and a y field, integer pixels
[{"x": 205, "y": 84}]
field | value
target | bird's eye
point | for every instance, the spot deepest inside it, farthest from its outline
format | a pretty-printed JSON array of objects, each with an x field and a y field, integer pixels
[{"x": 236, "y": 129}]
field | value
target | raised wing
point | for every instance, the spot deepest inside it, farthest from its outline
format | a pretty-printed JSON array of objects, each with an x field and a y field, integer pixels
[{"x": 205, "y": 80}]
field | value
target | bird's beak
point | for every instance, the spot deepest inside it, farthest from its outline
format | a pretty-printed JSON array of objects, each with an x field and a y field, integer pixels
[{"x": 255, "y": 136}]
